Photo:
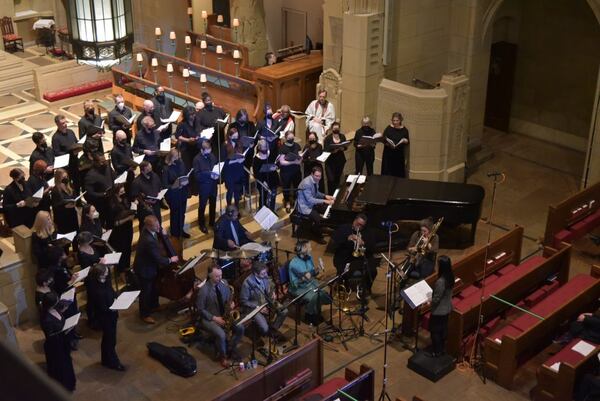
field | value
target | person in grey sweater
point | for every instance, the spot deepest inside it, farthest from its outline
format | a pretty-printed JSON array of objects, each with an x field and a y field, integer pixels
[{"x": 441, "y": 305}]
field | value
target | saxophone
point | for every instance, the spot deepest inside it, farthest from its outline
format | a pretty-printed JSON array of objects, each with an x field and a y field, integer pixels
[{"x": 231, "y": 315}]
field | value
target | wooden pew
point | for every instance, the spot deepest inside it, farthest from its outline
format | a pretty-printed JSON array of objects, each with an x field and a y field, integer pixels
[
  {"x": 573, "y": 217},
  {"x": 507, "y": 347},
  {"x": 360, "y": 385},
  {"x": 524, "y": 279},
  {"x": 502, "y": 251}
]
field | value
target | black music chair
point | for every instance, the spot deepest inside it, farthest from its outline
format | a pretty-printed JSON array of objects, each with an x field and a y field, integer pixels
[{"x": 299, "y": 221}]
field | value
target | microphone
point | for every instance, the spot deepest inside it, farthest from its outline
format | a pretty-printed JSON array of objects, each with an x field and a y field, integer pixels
[{"x": 494, "y": 173}]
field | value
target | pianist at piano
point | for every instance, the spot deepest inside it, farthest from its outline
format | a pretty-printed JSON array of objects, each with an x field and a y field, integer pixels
[{"x": 311, "y": 201}]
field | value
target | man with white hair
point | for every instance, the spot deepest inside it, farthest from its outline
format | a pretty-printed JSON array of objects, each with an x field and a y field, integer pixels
[
  {"x": 118, "y": 118},
  {"x": 147, "y": 111},
  {"x": 320, "y": 114}
]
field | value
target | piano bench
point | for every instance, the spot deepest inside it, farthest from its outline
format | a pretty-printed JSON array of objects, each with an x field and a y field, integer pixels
[{"x": 299, "y": 220}]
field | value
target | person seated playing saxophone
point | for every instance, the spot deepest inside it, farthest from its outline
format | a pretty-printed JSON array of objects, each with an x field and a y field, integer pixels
[
  {"x": 215, "y": 305},
  {"x": 259, "y": 289}
]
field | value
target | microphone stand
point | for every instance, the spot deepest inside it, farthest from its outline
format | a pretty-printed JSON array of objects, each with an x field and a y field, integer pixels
[{"x": 338, "y": 331}]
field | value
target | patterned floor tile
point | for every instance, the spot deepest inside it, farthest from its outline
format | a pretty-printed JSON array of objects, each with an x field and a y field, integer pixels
[
  {"x": 8, "y": 131},
  {"x": 39, "y": 121}
]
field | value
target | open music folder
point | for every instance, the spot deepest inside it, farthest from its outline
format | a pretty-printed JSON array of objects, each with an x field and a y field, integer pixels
[{"x": 417, "y": 294}]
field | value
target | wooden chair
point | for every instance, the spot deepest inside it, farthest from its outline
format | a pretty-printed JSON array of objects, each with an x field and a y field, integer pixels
[{"x": 12, "y": 41}]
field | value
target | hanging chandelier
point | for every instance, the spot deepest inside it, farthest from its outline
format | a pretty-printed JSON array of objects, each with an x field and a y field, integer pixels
[{"x": 101, "y": 31}]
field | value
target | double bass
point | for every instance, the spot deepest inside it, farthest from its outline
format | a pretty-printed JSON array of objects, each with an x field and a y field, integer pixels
[{"x": 170, "y": 284}]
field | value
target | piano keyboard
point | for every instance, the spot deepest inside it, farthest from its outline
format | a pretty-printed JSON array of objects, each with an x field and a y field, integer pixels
[{"x": 328, "y": 210}]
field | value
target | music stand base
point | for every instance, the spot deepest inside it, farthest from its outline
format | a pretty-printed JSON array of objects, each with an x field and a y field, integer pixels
[{"x": 431, "y": 368}]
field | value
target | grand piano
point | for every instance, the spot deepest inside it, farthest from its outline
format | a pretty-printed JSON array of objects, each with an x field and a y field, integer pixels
[{"x": 386, "y": 198}]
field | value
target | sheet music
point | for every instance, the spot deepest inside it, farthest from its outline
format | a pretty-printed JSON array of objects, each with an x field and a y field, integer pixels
[
  {"x": 237, "y": 160},
  {"x": 163, "y": 126},
  {"x": 61, "y": 161},
  {"x": 160, "y": 195},
  {"x": 39, "y": 194},
  {"x": 225, "y": 119},
  {"x": 555, "y": 367},
  {"x": 71, "y": 322},
  {"x": 112, "y": 258},
  {"x": 51, "y": 182},
  {"x": 323, "y": 157},
  {"x": 218, "y": 168},
  {"x": 81, "y": 275},
  {"x": 417, "y": 294},
  {"x": 133, "y": 206},
  {"x": 165, "y": 145},
  {"x": 68, "y": 295},
  {"x": 352, "y": 177},
  {"x": 207, "y": 133},
  {"x": 139, "y": 159},
  {"x": 121, "y": 179},
  {"x": 70, "y": 236},
  {"x": 251, "y": 315},
  {"x": 583, "y": 348},
  {"x": 106, "y": 235},
  {"x": 124, "y": 300},
  {"x": 82, "y": 140},
  {"x": 191, "y": 263},
  {"x": 172, "y": 118},
  {"x": 133, "y": 116},
  {"x": 266, "y": 218}
]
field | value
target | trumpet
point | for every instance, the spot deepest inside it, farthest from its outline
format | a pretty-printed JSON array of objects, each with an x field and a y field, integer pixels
[{"x": 359, "y": 246}]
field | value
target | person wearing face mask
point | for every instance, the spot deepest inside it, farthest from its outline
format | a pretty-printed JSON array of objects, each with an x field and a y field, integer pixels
[
  {"x": 16, "y": 211},
  {"x": 312, "y": 150},
  {"x": 284, "y": 122},
  {"x": 266, "y": 172},
  {"x": 303, "y": 276},
  {"x": 37, "y": 181},
  {"x": 118, "y": 118},
  {"x": 90, "y": 220},
  {"x": 144, "y": 189},
  {"x": 148, "y": 260},
  {"x": 207, "y": 185},
  {"x": 337, "y": 159},
  {"x": 289, "y": 161},
  {"x": 122, "y": 227},
  {"x": 234, "y": 175},
  {"x": 98, "y": 182},
  {"x": 163, "y": 107},
  {"x": 266, "y": 129},
  {"x": 42, "y": 152},
  {"x": 63, "y": 207},
  {"x": 100, "y": 295},
  {"x": 247, "y": 132},
  {"x": 364, "y": 150},
  {"x": 188, "y": 142},
  {"x": 121, "y": 158},
  {"x": 64, "y": 141},
  {"x": 208, "y": 117},
  {"x": 147, "y": 141},
  {"x": 148, "y": 110},
  {"x": 177, "y": 194},
  {"x": 320, "y": 115},
  {"x": 91, "y": 123}
]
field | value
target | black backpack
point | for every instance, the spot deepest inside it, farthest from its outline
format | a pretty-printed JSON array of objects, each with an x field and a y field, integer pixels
[{"x": 176, "y": 359}]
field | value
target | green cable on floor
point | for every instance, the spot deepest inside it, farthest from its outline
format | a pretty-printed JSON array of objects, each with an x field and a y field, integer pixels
[{"x": 347, "y": 395}]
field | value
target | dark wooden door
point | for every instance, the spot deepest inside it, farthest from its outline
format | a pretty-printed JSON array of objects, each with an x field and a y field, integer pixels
[{"x": 501, "y": 78}]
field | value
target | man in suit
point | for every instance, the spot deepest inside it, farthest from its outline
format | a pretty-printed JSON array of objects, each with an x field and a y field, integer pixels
[
  {"x": 97, "y": 183},
  {"x": 310, "y": 200},
  {"x": 229, "y": 232},
  {"x": 145, "y": 265},
  {"x": 118, "y": 118},
  {"x": 214, "y": 299}
]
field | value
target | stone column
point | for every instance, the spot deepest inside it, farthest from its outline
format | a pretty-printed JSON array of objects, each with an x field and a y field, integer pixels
[
  {"x": 252, "y": 32},
  {"x": 333, "y": 23}
]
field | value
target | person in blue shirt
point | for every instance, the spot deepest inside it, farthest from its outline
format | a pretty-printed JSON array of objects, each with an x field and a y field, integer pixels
[
  {"x": 177, "y": 193},
  {"x": 312, "y": 202},
  {"x": 207, "y": 185},
  {"x": 303, "y": 276},
  {"x": 234, "y": 175}
]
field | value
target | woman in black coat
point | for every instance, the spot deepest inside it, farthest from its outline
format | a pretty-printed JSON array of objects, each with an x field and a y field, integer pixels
[
  {"x": 177, "y": 193},
  {"x": 336, "y": 161},
  {"x": 16, "y": 212},
  {"x": 395, "y": 139},
  {"x": 65, "y": 213},
  {"x": 42, "y": 234},
  {"x": 122, "y": 227}
]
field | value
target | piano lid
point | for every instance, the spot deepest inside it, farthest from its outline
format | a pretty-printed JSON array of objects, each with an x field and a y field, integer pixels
[{"x": 381, "y": 189}]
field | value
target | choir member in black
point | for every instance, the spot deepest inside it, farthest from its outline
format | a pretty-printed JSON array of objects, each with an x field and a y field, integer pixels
[
  {"x": 90, "y": 126},
  {"x": 242, "y": 124},
  {"x": 88, "y": 255},
  {"x": 147, "y": 111},
  {"x": 345, "y": 241},
  {"x": 121, "y": 158},
  {"x": 57, "y": 347},
  {"x": 147, "y": 141},
  {"x": 148, "y": 260},
  {"x": 337, "y": 159},
  {"x": 234, "y": 175},
  {"x": 163, "y": 107},
  {"x": 188, "y": 141},
  {"x": 229, "y": 232},
  {"x": 311, "y": 151},
  {"x": 90, "y": 220},
  {"x": 207, "y": 118},
  {"x": 423, "y": 263},
  {"x": 247, "y": 132},
  {"x": 63, "y": 206},
  {"x": 269, "y": 178},
  {"x": 64, "y": 141},
  {"x": 44, "y": 280},
  {"x": 364, "y": 154},
  {"x": 177, "y": 194},
  {"x": 266, "y": 128},
  {"x": 122, "y": 227},
  {"x": 100, "y": 296},
  {"x": 37, "y": 181},
  {"x": 42, "y": 152},
  {"x": 207, "y": 184},
  {"x": 98, "y": 182},
  {"x": 144, "y": 187},
  {"x": 392, "y": 161},
  {"x": 289, "y": 162},
  {"x": 441, "y": 306},
  {"x": 16, "y": 212},
  {"x": 42, "y": 233},
  {"x": 118, "y": 118}
]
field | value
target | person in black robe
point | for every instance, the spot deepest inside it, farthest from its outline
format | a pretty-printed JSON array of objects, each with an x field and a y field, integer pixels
[
  {"x": 63, "y": 206},
  {"x": 269, "y": 178},
  {"x": 90, "y": 220},
  {"x": 207, "y": 185},
  {"x": 42, "y": 235},
  {"x": 233, "y": 171},
  {"x": 101, "y": 296},
  {"x": 188, "y": 140},
  {"x": 361, "y": 268},
  {"x": 364, "y": 154},
  {"x": 207, "y": 118},
  {"x": 37, "y": 182},
  {"x": 118, "y": 118},
  {"x": 121, "y": 158},
  {"x": 98, "y": 182},
  {"x": 41, "y": 152},
  {"x": 337, "y": 159},
  {"x": 122, "y": 227},
  {"x": 44, "y": 281},
  {"x": 88, "y": 256},
  {"x": 266, "y": 128},
  {"x": 163, "y": 107},
  {"x": 91, "y": 126},
  {"x": 144, "y": 189},
  {"x": 392, "y": 161},
  {"x": 229, "y": 232},
  {"x": 64, "y": 141},
  {"x": 311, "y": 151},
  {"x": 177, "y": 193},
  {"x": 57, "y": 348},
  {"x": 16, "y": 211},
  {"x": 289, "y": 171},
  {"x": 246, "y": 129},
  {"x": 147, "y": 141}
]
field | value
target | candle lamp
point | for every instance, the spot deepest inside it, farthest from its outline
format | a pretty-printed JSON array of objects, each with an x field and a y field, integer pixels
[
  {"x": 186, "y": 79},
  {"x": 154, "y": 64},
  {"x": 236, "y": 58},
  {"x": 188, "y": 48},
  {"x": 219, "y": 56},
  {"x": 190, "y": 12},
  {"x": 158, "y": 34},
  {"x": 140, "y": 60},
  {"x": 170, "y": 72},
  {"x": 203, "y": 81},
  {"x": 220, "y": 23},
  {"x": 235, "y": 24},
  {"x": 172, "y": 37},
  {"x": 203, "y": 48},
  {"x": 205, "y": 18}
]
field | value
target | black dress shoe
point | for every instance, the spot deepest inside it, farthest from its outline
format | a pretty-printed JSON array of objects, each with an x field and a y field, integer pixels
[
  {"x": 203, "y": 229},
  {"x": 185, "y": 235}
]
